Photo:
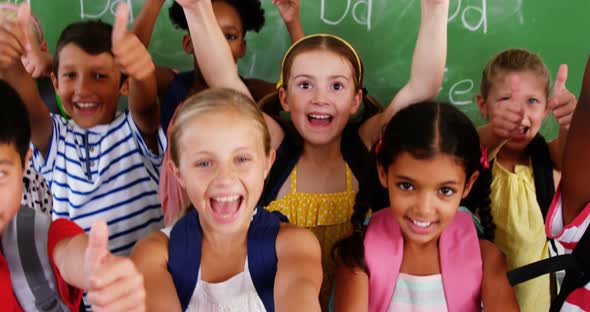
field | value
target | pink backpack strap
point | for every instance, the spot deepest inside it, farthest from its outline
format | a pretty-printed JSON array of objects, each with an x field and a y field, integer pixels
[
  {"x": 172, "y": 197},
  {"x": 460, "y": 257},
  {"x": 461, "y": 265},
  {"x": 384, "y": 247}
]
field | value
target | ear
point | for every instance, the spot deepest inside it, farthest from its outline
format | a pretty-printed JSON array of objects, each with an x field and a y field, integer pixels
[
  {"x": 243, "y": 48},
  {"x": 44, "y": 47},
  {"x": 54, "y": 80},
  {"x": 187, "y": 44},
  {"x": 358, "y": 98},
  {"x": 269, "y": 161},
  {"x": 481, "y": 103},
  {"x": 283, "y": 98},
  {"x": 124, "y": 90},
  {"x": 175, "y": 171},
  {"x": 469, "y": 184},
  {"x": 382, "y": 175},
  {"x": 28, "y": 157}
]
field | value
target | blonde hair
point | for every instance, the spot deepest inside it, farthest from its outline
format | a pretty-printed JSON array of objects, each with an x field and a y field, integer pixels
[
  {"x": 513, "y": 60},
  {"x": 215, "y": 100},
  {"x": 8, "y": 12}
]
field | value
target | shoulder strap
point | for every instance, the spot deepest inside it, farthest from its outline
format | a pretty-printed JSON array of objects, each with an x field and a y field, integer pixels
[
  {"x": 262, "y": 257},
  {"x": 46, "y": 299},
  {"x": 461, "y": 264},
  {"x": 354, "y": 151},
  {"x": 184, "y": 256},
  {"x": 384, "y": 247},
  {"x": 576, "y": 276},
  {"x": 542, "y": 172}
]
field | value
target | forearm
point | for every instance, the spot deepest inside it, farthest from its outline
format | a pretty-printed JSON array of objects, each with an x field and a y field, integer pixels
[
  {"x": 214, "y": 58},
  {"x": 145, "y": 21},
  {"x": 489, "y": 140},
  {"x": 301, "y": 296},
  {"x": 557, "y": 148},
  {"x": 295, "y": 30},
  {"x": 69, "y": 259}
]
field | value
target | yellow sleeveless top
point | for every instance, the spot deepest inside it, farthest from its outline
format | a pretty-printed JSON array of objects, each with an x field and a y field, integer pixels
[
  {"x": 520, "y": 231},
  {"x": 327, "y": 215}
]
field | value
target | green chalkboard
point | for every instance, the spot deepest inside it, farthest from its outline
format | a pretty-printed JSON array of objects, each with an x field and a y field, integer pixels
[{"x": 384, "y": 32}]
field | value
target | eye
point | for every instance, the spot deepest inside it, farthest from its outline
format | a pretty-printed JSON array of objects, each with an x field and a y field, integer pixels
[
  {"x": 337, "y": 86},
  {"x": 446, "y": 191},
  {"x": 230, "y": 37},
  {"x": 99, "y": 76},
  {"x": 504, "y": 98},
  {"x": 203, "y": 164},
  {"x": 69, "y": 75},
  {"x": 405, "y": 186},
  {"x": 304, "y": 85},
  {"x": 532, "y": 101},
  {"x": 243, "y": 159}
]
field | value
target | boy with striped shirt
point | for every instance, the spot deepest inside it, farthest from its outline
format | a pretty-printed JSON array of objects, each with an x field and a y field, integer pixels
[{"x": 101, "y": 164}]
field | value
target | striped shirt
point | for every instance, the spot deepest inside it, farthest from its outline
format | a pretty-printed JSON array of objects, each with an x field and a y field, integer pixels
[
  {"x": 106, "y": 172},
  {"x": 418, "y": 294},
  {"x": 569, "y": 236}
]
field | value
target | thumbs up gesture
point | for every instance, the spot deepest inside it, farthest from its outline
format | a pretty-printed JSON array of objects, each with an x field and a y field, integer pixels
[
  {"x": 562, "y": 102},
  {"x": 14, "y": 37},
  {"x": 508, "y": 115},
  {"x": 130, "y": 54},
  {"x": 288, "y": 9},
  {"x": 113, "y": 282}
]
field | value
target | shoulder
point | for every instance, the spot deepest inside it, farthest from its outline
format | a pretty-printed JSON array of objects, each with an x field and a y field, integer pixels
[
  {"x": 259, "y": 88},
  {"x": 154, "y": 244},
  {"x": 293, "y": 240},
  {"x": 493, "y": 260}
]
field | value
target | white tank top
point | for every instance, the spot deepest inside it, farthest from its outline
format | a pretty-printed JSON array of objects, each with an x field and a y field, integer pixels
[{"x": 235, "y": 294}]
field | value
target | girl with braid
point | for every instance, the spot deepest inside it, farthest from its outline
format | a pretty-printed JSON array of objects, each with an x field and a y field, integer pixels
[{"x": 423, "y": 253}]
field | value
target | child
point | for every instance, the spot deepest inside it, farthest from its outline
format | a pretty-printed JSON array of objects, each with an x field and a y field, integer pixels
[
  {"x": 421, "y": 254},
  {"x": 221, "y": 154},
  {"x": 514, "y": 98},
  {"x": 100, "y": 164},
  {"x": 67, "y": 260},
  {"x": 236, "y": 18},
  {"x": 321, "y": 87}
]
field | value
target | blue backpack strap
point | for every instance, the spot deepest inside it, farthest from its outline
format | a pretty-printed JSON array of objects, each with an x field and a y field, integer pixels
[
  {"x": 175, "y": 95},
  {"x": 262, "y": 257},
  {"x": 184, "y": 256}
]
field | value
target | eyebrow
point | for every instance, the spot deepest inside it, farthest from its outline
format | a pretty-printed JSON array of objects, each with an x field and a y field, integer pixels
[
  {"x": 451, "y": 182},
  {"x": 6, "y": 162},
  {"x": 330, "y": 77}
]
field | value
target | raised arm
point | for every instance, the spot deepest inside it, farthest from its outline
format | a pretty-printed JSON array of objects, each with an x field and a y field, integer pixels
[
  {"x": 496, "y": 291},
  {"x": 290, "y": 13},
  {"x": 576, "y": 172},
  {"x": 143, "y": 27},
  {"x": 215, "y": 59},
  {"x": 299, "y": 270},
  {"x": 135, "y": 61},
  {"x": 15, "y": 43},
  {"x": 428, "y": 66},
  {"x": 563, "y": 104}
]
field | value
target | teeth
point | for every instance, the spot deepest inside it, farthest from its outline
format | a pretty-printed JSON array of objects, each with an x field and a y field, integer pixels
[
  {"x": 315, "y": 116},
  {"x": 86, "y": 105},
  {"x": 421, "y": 223},
  {"x": 227, "y": 199}
]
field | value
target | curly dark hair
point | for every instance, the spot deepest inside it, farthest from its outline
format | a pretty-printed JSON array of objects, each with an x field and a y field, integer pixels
[{"x": 250, "y": 11}]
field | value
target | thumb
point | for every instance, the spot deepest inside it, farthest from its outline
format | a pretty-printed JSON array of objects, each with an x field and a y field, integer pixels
[
  {"x": 121, "y": 19},
  {"x": 97, "y": 250},
  {"x": 23, "y": 17},
  {"x": 560, "y": 80},
  {"x": 514, "y": 88}
]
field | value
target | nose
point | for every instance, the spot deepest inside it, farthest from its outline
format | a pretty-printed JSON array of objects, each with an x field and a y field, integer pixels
[
  {"x": 425, "y": 206},
  {"x": 225, "y": 174},
  {"x": 82, "y": 86},
  {"x": 319, "y": 97}
]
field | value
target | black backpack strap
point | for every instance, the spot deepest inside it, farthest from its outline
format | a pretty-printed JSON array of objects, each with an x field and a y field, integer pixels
[
  {"x": 46, "y": 299},
  {"x": 545, "y": 266},
  {"x": 575, "y": 277}
]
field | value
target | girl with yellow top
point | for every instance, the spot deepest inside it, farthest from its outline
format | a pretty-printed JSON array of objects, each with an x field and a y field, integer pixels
[
  {"x": 321, "y": 87},
  {"x": 515, "y": 99}
]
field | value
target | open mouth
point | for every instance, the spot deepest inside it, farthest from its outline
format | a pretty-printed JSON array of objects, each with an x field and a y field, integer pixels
[
  {"x": 319, "y": 120},
  {"x": 225, "y": 208},
  {"x": 521, "y": 133},
  {"x": 420, "y": 226},
  {"x": 86, "y": 107}
]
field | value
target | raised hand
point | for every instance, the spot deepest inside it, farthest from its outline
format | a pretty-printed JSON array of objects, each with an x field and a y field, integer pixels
[
  {"x": 508, "y": 115},
  {"x": 289, "y": 10},
  {"x": 188, "y": 4},
  {"x": 113, "y": 282},
  {"x": 14, "y": 38},
  {"x": 562, "y": 102},
  {"x": 130, "y": 54}
]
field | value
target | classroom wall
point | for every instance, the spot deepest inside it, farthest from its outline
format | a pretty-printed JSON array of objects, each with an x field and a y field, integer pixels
[{"x": 384, "y": 32}]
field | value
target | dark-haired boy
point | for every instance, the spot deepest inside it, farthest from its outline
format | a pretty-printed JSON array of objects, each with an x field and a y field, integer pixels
[{"x": 101, "y": 164}]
